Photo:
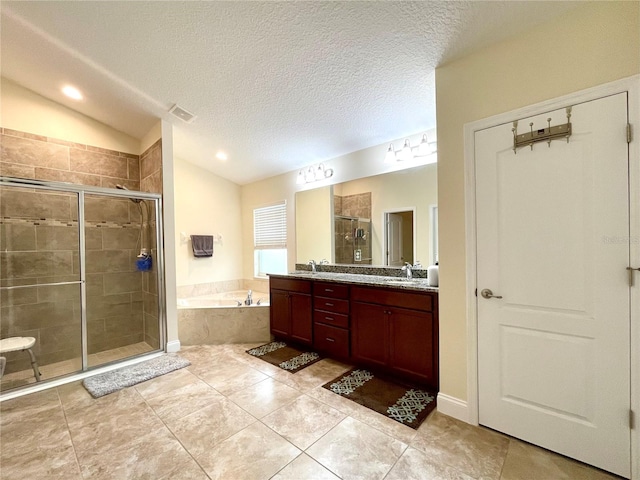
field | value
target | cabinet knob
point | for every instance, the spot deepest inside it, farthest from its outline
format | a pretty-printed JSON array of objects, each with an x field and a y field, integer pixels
[{"x": 329, "y": 339}]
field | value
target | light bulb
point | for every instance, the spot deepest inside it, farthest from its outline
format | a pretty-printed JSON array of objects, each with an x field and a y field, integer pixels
[
  {"x": 406, "y": 153},
  {"x": 390, "y": 157},
  {"x": 300, "y": 178},
  {"x": 319, "y": 172},
  {"x": 424, "y": 148}
]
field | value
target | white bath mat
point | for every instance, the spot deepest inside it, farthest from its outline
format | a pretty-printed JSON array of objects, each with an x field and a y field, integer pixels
[{"x": 115, "y": 380}]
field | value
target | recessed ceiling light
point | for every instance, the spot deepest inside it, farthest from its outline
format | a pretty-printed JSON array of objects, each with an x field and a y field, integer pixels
[
  {"x": 72, "y": 92},
  {"x": 221, "y": 155}
]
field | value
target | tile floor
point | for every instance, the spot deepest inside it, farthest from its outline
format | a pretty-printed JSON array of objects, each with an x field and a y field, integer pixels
[{"x": 234, "y": 417}]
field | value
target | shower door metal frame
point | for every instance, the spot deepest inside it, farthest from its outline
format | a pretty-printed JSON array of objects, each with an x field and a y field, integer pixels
[{"x": 80, "y": 191}]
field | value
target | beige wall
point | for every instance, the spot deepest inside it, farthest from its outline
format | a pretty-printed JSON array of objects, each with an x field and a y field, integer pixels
[
  {"x": 313, "y": 224},
  {"x": 26, "y": 111},
  {"x": 206, "y": 204},
  {"x": 593, "y": 44}
]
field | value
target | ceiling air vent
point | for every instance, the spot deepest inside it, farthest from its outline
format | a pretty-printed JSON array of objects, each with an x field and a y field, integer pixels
[{"x": 182, "y": 114}]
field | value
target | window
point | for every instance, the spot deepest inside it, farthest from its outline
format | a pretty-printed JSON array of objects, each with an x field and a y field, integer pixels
[{"x": 270, "y": 239}]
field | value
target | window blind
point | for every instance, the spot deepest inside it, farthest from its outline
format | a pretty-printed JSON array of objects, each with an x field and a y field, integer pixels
[{"x": 270, "y": 227}]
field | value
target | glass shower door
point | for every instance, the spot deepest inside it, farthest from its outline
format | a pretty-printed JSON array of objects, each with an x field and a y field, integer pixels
[
  {"x": 40, "y": 294},
  {"x": 122, "y": 302}
]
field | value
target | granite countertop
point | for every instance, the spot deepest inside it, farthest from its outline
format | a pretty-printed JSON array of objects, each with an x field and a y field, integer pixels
[{"x": 416, "y": 284}]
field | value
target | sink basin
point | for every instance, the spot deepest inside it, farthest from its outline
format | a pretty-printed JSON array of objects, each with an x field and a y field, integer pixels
[{"x": 401, "y": 282}]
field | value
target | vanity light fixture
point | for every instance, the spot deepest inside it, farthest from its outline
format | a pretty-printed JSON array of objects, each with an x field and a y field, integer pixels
[
  {"x": 407, "y": 152},
  {"x": 313, "y": 173}
]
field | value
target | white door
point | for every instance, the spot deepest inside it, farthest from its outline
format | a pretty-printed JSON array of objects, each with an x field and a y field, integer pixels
[
  {"x": 394, "y": 240},
  {"x": 553, "y": 242}
]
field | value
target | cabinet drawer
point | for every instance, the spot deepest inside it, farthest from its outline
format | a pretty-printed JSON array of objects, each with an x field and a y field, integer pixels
[
  {"x": 333, "y": 290},
  {"x": 331, "y": 304},
  {"x": 393, "y": 298},
  {"x": 334, "y": 319},
  {"x": 331, "y": 340},
  {"x": 290, "y": 284}
]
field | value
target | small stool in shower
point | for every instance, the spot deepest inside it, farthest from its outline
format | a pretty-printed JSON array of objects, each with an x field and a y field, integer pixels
[{"x": 16, "y": 344}]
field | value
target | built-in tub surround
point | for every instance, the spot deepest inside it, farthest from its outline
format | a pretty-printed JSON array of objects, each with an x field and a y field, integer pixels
[{"x": 217, "y": 319}]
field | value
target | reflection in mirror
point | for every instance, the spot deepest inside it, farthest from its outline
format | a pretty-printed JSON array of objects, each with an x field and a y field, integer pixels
[{"x": 413, "y": 191}]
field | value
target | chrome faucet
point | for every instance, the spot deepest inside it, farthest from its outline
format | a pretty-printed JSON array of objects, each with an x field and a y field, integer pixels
[
  {"x": 407, "y": 268},
  {"x": 249, "y": 299},
  {"x": 324, "y": 261},
  {"x": 313, "y": 266}
]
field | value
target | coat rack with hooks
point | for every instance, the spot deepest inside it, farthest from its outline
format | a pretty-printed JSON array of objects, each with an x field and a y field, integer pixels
[{"x": 541, "y": 135}]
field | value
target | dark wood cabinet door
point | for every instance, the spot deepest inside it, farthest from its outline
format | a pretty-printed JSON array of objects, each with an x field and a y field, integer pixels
[
  {"x": 411, "y": 349},
  {"x": 279, "y": 310},
  {"x": 301, "y": 318},
  {"x": 370, "y": 333}
]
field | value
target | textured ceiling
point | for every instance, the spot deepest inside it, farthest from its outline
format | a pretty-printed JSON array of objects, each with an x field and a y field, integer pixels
[{"x": 277, "y": 85}]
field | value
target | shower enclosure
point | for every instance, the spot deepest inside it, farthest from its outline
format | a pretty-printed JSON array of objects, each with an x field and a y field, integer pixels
[
  {"x": 81, "y": 273},
  {"x": 352, "y": 240}
]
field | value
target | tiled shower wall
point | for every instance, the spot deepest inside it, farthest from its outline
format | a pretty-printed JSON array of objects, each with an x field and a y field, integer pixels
[
  {"x": 39, "y": 244},
  {"x": 151, "y": 181},
  {"x": 358, "y": 205}
]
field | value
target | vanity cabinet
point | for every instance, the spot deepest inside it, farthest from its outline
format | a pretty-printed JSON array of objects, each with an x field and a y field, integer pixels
[
  {"x": 331, "y": 319},
  {"x": 290, "y": 312},
  {"x": 392, "y": 330},
  {"x": 396, "y": 331}
]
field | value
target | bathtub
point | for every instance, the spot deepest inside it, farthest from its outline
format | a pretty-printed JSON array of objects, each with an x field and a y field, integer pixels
[{"x": 217, "y": 319}]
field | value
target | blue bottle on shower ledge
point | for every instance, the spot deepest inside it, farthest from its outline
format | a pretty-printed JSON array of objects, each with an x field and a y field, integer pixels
[{"x": 144, "y": 262}]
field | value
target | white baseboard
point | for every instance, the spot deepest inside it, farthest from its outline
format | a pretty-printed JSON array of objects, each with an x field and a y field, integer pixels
[
  {"x": 454, "y": 407},
  {"x": 173, "y": 346}
]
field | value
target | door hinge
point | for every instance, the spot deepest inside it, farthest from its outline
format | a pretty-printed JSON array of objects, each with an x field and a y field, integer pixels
[
  {"x": 632, "y": 419},
  {"x": 629, "y": 135}
]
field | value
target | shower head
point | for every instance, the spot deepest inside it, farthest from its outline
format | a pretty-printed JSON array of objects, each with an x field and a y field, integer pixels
[{"x": 122, "y": 187}]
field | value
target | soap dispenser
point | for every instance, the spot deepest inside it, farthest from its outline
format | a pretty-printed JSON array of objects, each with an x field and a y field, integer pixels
[{"x": 432, "y": 275}]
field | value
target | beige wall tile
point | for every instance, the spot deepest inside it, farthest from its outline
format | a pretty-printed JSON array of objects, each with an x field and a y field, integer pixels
[
  {"x": 152, "y": 183},
  {"x": 103, "y": 261},
  {"x": 99, "y": 163},
  {"x": 122, "y": 282},
  {"x": 34, "y": 264},
  {"x": 134, "y": 169},
  {"x": 151, "y": 161},
  {"x": 26, "y": 151},
  {"x": 14, "y": 170},
  {"x": 57, "y": 238},
  {"x": 17, "y": 237},
  {"x": 39, "y": 315},
  {"x": 121, "y": 238},
  {"x": 19, "y": 203},
  {"x": 108, "y": 306},
  {"x": 53, "y": 175},
  {"x": 98, "y": 208}
]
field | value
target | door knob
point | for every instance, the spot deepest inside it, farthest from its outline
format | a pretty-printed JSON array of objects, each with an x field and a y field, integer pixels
[{"x": 486, "y": 293}]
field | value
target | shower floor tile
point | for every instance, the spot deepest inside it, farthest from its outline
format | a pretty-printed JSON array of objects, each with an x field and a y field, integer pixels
[
  {"x": 207, "y": 422},
  {"x": 58, "y": 369}
]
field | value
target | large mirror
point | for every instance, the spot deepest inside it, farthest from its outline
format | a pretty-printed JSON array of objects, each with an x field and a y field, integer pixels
[{"x": 382, "y": 220}]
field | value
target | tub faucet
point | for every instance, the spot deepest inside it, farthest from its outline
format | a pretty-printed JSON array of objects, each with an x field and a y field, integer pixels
[
  {"x": 249, "y": 300},
  {"x": 407, "y": 268},
  {"x": 313, "y": 266}
]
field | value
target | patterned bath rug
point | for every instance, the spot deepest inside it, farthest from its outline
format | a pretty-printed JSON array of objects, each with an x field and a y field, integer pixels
[
  {"x": 400, "y": 401},
  {"x": 284, "y": 356},
  {"x": 109, "y": 382}
]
